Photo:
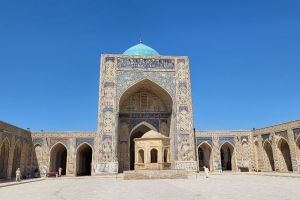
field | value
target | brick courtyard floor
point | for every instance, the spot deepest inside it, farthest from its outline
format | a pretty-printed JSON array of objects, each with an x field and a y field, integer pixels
[{"x": 217, "y": 187}]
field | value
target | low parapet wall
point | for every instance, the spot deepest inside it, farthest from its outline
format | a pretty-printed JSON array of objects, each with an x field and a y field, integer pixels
[{"x": 155, "y": 174}]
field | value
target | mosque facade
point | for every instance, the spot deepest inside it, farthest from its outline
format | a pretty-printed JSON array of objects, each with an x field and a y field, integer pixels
[{"x": 142, "y": 91}]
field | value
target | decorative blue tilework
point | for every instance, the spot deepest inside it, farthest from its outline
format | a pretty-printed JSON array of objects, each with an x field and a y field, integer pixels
[
  {"x": 133, "y": 119},
  {"x": 145, "y": 63},
  {"x": 265, "y": 136},
  {"x": 126, "y": 79},
  {"x": 296, "y": 132},
  {"x": 182, "y": 85},
  {"x": 133, "y": 122},
  {"x": 144, "y": 115},
  {"x": 282, "y": 134},
  {"x": 89, "y": 141},
  {"x": 183, "y": 108},
  {"x": 109, "y": 84},
  {"x": 224, "y": 139},
  {"x": 108, "y": 110},
  {"x": 19, "y": 138},
  {"x": 112, "y": 59},
  {"x": 36, "y": 141},
  {"x": 244, "y": 137},
  {"x": 200, "y": 140}
]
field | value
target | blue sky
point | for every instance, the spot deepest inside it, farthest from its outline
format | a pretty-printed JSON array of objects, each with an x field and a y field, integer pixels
[{"x": 244, "y": 56}]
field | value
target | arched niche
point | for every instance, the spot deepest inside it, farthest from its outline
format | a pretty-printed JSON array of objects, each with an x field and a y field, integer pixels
[
  {"x": 16, "y": 157},
  {"x": 141, "y": 158},
  {"x": 285, "y": 155},
  {"x": 227, "y": 156},
  {"x": 153, "y": 156},
  {"x": 204, "y": 156},
  {"x": 269, "y": 158},
  {"x": 37, "y": 156},
  {"x": 4, "y": 155},
  {"x": 58, "y": 158},
  {"x": 84, "y": 155}
]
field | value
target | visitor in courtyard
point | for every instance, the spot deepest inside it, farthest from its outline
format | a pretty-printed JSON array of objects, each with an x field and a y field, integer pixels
[
  {"x": 18, "y": 175},
  {"x": 219, "y": 168},
  {"x": 59, "y": 171},
  {"x": 206, "y": 170}
]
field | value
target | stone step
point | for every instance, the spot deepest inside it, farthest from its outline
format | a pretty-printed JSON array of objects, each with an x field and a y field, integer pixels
[{"x": 155, "y": 174}]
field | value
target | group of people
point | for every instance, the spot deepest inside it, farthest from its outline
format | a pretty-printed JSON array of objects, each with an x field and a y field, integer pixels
[{"x": 19, "y": 175}]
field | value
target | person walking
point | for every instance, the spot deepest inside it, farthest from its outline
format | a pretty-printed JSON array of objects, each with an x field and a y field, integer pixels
[
  {"x": 206, "y": 170},
  {"x": 60, "y": 171},
  {"x": 18, "y": 175}
]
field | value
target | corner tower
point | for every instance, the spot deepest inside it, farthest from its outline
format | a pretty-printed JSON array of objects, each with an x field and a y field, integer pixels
[{"x": 139, "y": 91}]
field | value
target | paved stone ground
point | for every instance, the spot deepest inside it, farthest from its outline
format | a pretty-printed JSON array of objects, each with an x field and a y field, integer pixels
[{"x": 218, "y": 187}]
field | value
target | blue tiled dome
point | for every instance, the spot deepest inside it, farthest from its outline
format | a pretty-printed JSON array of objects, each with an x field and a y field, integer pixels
[{"x": 141, "y": 49}]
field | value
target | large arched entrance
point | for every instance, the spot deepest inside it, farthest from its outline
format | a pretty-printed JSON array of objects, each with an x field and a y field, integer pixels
[
  {"x": 204, "y": 156},
  {"x": 58, "y": 158},
  {"x": 4, "y": 153},
  {"x": 269, "y": 159},
  {"x": 142, "y": 107},
  {"x": 284, "y": 155},
  {"x": 84, "y": 160},
  {"x": 16, "y": 158},
  {"x": 227, "y": 157}
]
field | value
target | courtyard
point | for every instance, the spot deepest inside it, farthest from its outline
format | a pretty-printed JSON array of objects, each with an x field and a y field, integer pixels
[{"x": 216, "y": 187}]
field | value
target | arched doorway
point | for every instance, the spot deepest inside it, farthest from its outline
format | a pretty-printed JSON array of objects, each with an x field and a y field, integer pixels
[
  {"x": 16, "y": 158},
  {"x": 285, "y": 155},
  {"x": 137, "y": 133},
  {"x": 58, "y": 158},
  {"x": 84, "y": 160},
  {"x": 4, "y": 159},
  {"x": 269, "y": 156},
  {"x": 227, "y": 157},
  {"x": 141, "y": 156},
  {"x": 142, "y": 107},
  {"x": 153, "y": 155},
  {"x": 37, "y": 159},
  {"x": 204, "y": 156}
]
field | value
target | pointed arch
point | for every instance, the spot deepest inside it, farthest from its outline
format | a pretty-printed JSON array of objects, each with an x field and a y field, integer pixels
[
  {"x": 141, "y": 156},
  {"x": 37, "y": 155},
  {"x": 84, "y": 157},
  {"x": 204, "y": 150},
  {"x": 153, "y": 155},
  {"x": 4, "y": 155},
  {"x": 142, "y": 106},
  {"x": 17, "y": 157},
  {"x": 149, "y": 85},
  {"x": 269, "y": 158},
  {"x": 138, "y": 132},
  {"x": 141, "y": 124},
  {"x": 227, "y": 154},
  {"x": 285, "y": 154},
  {"x": 58, "y": 157}
]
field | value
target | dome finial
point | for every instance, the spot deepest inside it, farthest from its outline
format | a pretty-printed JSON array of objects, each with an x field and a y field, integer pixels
[{"x": 141, "y": 38}]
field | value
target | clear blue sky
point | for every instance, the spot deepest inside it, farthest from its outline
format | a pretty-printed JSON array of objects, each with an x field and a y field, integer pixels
[{"x": 244, "y": 56}]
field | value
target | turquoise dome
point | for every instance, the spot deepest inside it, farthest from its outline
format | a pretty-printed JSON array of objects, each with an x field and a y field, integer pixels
[{"x": 141, "y": 49}]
